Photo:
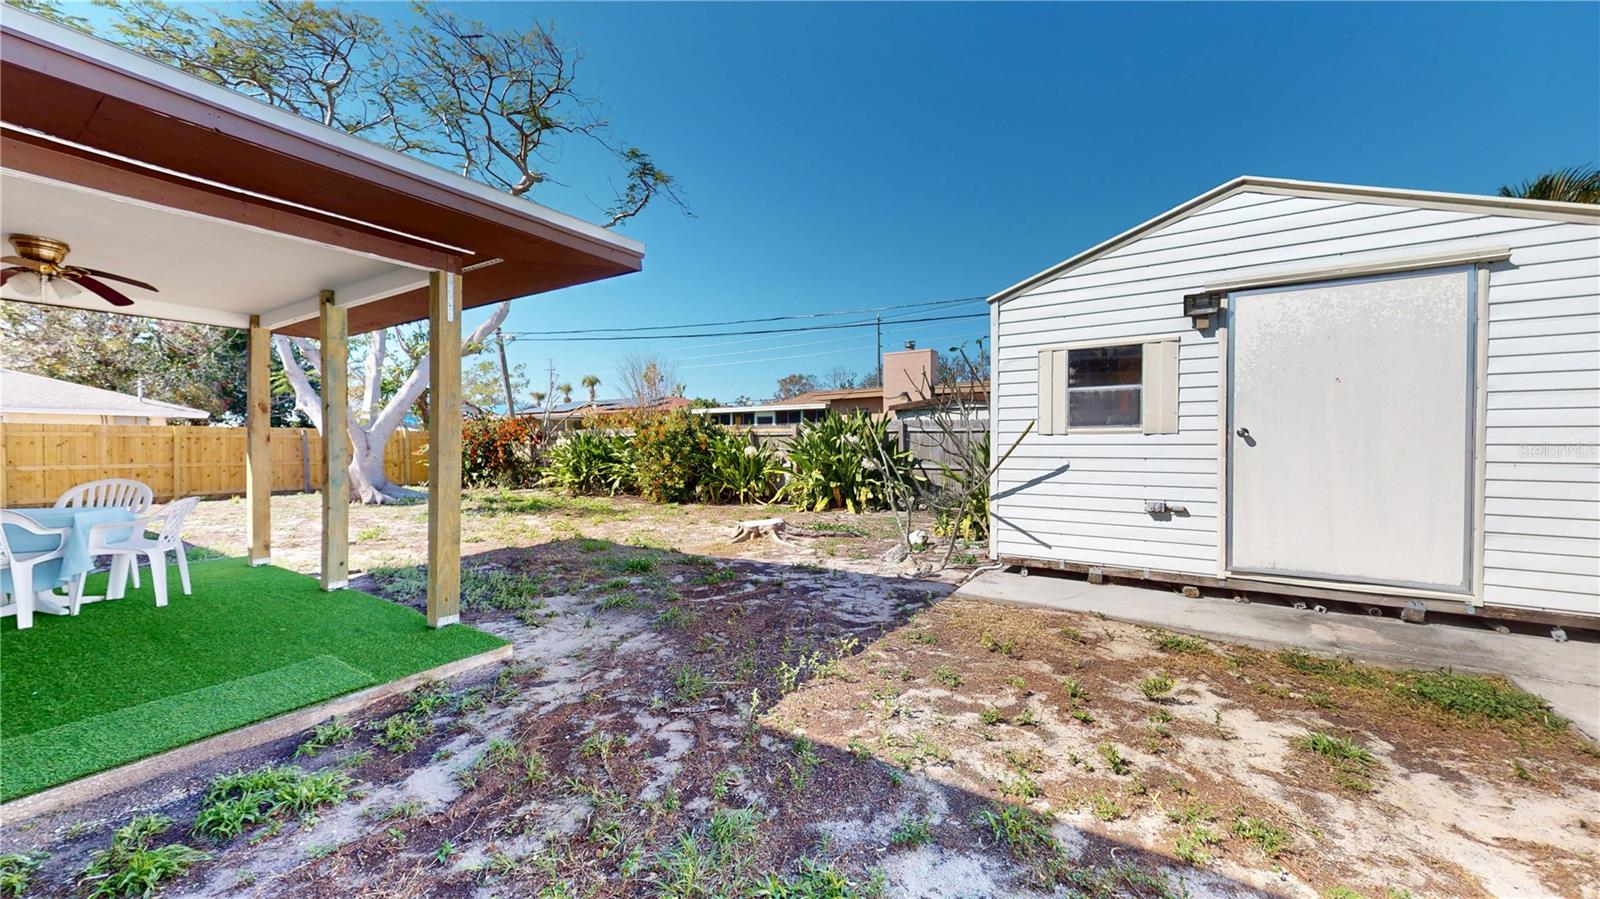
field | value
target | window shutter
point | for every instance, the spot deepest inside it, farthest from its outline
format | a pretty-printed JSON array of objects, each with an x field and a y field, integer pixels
[
  {"x": 1047, "y": 422},
  {"x": 1052, "y": 392},
  {"x": 1160, "y": 388}
]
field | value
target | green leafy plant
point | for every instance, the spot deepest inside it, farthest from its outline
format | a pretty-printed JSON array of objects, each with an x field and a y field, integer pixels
[
  {"x": 324, "y": 735},
  {"x": 910, "y": 830},
  {"x": 1472, "y": 695},
  {"x": 17, "y": 870},
  {"x": 840, "y": 462},
  {"x": 591, "y": 462},
  {"x": 1157, "y": 686},
  {"x": 743, "y": 470},
  {"x": 1267, "y": 837},
  {"x": 1352, "y": 764},
  {"x": 242, "y": 799},
  {"x": 690, "y": 683},
  {"x": 130, "y": 866}
]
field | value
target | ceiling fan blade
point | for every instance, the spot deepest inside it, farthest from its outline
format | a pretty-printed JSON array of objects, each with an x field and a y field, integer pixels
[
  {"x": 6, "y": 273},
  {"x": 105, "y": 292},
  {"x": 25, "y": 263},
  {"x": 115, "y": 277}
]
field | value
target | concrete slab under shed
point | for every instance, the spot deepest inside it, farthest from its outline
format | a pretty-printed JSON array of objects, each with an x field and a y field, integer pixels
[{"x": 1565, "y": 674}]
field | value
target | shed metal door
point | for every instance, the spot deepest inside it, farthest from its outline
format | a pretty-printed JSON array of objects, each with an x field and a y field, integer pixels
[{"x": 1350, "y": 430}]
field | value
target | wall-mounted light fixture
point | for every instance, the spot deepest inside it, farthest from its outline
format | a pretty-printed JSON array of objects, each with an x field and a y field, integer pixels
[{"x": 1202, "y": 308}]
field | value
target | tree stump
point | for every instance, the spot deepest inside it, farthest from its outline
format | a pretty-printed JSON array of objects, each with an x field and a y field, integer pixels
[{"x": 760, "y": 527}]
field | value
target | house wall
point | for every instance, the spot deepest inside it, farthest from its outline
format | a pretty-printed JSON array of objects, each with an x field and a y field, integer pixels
[
  {"x": 61, "y": 418},
  {"x": 1079, "y": 497}
]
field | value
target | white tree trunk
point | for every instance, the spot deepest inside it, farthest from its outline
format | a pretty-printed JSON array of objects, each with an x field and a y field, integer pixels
[{"x": 369, "y": 483}]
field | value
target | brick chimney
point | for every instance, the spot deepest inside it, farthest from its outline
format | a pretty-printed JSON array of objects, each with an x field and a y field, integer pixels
[{"x": 908, "y": 375}]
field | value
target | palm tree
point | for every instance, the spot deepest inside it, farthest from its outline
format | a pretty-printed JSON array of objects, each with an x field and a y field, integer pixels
[
  {"x": 1578, "y": 184},
  {"x": 538, "y": 398},
  {"x": 591, "y": 382},
  {"x": 565, "y": 390}
]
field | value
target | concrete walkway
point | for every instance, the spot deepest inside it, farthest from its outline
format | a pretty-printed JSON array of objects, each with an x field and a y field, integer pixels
[{"x": 1566, "y": 674}]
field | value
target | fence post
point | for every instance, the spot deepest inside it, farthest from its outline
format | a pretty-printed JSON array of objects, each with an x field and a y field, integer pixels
[
  {"x": 305, "y": 461},
  {"x": 177, "y": 463}
]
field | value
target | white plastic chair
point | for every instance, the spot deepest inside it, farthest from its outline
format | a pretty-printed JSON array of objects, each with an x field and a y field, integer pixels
[
  {"x": 155, "y": 550},
  {"x": 111, "y": 493},
  {"x": 22, "y": 565}
]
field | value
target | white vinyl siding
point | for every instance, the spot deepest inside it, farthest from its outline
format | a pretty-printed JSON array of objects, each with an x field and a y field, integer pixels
[{"x": 1080, "y": 497}]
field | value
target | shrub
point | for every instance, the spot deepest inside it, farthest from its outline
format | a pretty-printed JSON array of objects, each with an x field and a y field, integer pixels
[
  {"x": 672, "y": 456},
  {"x": 838, "y": 462},
  {"x": 743, "y": 470},
  {"x": 501, "y": 452},
  {"x": 593, "y": 462}
]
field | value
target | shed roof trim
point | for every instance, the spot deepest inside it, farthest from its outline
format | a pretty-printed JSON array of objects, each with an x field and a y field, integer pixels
[
  {"x": 21, "y": 392},
  {"x": 1515, "y": 206}
]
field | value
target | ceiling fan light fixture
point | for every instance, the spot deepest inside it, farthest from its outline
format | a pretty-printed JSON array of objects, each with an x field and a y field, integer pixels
[
  {"x": 63, "y": 288},
  {"x": 27, "y": 285}
]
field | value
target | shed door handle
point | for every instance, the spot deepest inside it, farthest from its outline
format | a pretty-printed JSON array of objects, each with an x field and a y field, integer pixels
[{"x": 1243, "y": 432}]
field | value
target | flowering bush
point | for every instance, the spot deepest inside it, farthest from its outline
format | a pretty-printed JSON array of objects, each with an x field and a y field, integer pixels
[
  {"x": 845, "y": 461},
  {"x": 672, "y": 456},
  {"x": 500, "y": 452}
]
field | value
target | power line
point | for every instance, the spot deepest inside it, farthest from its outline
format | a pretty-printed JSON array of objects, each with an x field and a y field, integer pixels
[
  {"x": 754, "y": 321},
  {"x": 785, "y": 358},
  {"x": 867, "y": 323}
]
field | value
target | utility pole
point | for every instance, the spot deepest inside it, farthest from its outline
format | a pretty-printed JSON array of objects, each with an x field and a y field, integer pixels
[
  {"x": 505, "y": 374},
  {"x": 877, "y": 361}
]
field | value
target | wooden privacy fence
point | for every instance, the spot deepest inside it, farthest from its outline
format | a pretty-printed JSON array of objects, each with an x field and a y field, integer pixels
[{"x": 42, "y": 461}]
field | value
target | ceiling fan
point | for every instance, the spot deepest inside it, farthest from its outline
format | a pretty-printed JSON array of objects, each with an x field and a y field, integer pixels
[{"x": 40, "y": 265}]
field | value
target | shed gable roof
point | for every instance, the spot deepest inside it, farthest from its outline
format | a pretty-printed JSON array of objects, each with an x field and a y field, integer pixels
[{"x": 1423, "y": 199}]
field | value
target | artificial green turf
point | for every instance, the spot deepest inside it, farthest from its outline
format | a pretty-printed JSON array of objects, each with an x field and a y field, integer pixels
[{"x": 250, "y": 643}]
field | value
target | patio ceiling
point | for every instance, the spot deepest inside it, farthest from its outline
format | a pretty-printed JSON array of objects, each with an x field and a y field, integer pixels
[
  {"x": 235, "y": 208},
  {"x": 206, "y": 269}
]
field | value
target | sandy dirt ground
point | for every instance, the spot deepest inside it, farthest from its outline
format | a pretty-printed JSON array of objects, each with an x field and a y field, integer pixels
[{"x": 690, "y": 718}]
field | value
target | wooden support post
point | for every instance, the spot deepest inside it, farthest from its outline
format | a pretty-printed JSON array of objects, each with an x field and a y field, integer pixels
[
  {"x": 177, "y": 463},
  {"x": 257, "y": 444},
  {"x": 335, "y": 333},
  {"x": 444, "y": 449}
]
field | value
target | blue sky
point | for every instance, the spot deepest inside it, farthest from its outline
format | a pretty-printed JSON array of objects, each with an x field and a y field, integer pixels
[{"x": 840, "y": 156}]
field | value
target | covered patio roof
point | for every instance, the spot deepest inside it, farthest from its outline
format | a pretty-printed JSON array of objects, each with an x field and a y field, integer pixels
[
  {"x": 234, "y": 208},
  {"x": 246, "y": 215}
]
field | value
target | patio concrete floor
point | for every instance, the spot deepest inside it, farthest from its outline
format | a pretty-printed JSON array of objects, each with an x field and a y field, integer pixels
[{"x": 1565, "y": 674}]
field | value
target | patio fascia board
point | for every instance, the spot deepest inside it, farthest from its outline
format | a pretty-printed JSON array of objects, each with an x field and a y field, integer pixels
[
  {"x": 325, "y": 163},
  {"x": 28, "y": 153}
]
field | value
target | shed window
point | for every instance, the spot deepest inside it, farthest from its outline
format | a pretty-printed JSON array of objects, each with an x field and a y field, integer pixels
[
  {"x": 1126, "y": 385},
  {"x": 1103, "y": 386}
]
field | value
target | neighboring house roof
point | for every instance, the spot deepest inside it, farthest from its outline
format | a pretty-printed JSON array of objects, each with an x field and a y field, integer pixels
[
  {"x": 977, "y": 391},
  {"x": 828, "y": 396},
  {"x": 1515, "y": 206},
  {"x": 786, "y": 406},
  {"x": 21, "y": 392},
  {"x": 600, "y": 407}
]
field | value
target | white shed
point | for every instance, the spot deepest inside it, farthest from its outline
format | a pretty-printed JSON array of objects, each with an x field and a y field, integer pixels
[{"x": 1383, "y": 396}]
